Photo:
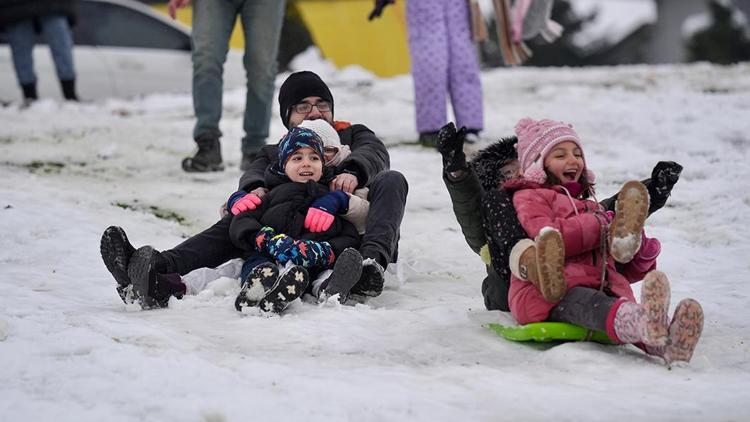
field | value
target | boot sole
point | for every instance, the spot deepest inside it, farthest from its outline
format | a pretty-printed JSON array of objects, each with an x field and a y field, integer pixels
[
  {"x": 655, "y": 296},
  {"x": 116, "y": 251},
  {"x": 627, "y": 226},
  {"x": 138, "y": 271},
  {"x": 346, "y": 273},
  {"x": 259, "y": 277},
  {"x": 550, "y": 250},
  {"x": 684, "y": 331},
  {"x": 369, "y": 286},
  {"x": 291, "y": 285}
]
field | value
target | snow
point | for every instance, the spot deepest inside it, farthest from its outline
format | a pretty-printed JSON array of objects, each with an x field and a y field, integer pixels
[
  {"x": 614, "y": 20},
  {"x": 71, "y": 351}
]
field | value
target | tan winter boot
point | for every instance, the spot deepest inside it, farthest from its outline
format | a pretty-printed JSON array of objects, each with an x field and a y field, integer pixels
[
  {"x": 542, "y": 263},
  {"x": 626, "y": 228},
  {"x": 655, "y": 300}
]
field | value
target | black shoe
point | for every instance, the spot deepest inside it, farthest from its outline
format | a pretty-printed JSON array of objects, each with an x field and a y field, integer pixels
[
  {"x": 371, "y": 282},
  {"x": 428, "y": 139},
  {"x": 116, "y": 251},
  {"x": 247, "y": 160},
  {"x": 207, "y": 158},
  {"x": 346, "y": 273},
  {"x": 147, "y": 289},
  {"x": 291, "y": 284},
  {"x": 261, "y": 280},
  {"x": 29, "y": 92},
  {"x": 69, "y": 89}
]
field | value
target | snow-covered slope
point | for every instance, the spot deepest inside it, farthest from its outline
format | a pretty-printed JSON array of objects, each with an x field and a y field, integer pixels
[{"x": 70, "y": 351}]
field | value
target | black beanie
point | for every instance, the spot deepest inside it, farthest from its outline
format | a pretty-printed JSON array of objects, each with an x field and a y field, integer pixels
[{"x": 298, "y": 86}]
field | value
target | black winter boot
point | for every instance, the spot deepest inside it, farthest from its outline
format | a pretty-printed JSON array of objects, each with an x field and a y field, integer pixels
[
  {"x": 29, "y": 94},
  {"x": 346, "y": 273},
  {"x": 152, "y": 282},
  {"x": 371, "y": 282},
  {"x": 69, "y": 89},
  {"x": 116, "y": 251},
  {"x": 247, "y": 160},
  {"x": 207, "y": 158}
]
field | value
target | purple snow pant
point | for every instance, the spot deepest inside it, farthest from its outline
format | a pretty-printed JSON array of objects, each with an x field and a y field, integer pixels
[{"x": 443, "y": 60}]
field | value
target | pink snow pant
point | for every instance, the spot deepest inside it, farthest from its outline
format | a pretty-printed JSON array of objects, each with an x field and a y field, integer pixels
[{"x": 443, "y": 60}]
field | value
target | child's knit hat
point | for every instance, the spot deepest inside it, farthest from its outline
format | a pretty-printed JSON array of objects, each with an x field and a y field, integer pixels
[
  {"x": 536, "y": 138},
  {"x": 298, "y": 137},
  {"x": 330, "y": 138},
  {"x": 324, "y": 130}
]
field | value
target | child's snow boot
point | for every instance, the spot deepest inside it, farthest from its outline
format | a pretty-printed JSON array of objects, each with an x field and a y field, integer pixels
[
  {"x": 261, "y": 280},
  {"x": 684, "y": 331},
  {"x": 630, "y": 325},
  {"x": 541, "y": 262},
  {"x": 346, "y": 273},
  {"x": 116, "y": 251},
  {"x": 630, "y": 215},
  {"x": 291, "y": 284},
  {"x": 655, "y": 301}
]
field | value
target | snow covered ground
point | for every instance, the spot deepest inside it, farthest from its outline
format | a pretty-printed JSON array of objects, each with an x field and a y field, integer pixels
[{"x": 70, "y": 351}]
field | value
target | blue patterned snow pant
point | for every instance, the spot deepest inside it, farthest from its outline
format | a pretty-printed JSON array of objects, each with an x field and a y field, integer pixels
[{"x": 443, "y": 60}]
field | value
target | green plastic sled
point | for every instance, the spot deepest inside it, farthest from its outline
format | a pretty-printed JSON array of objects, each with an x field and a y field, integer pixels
[{"x": 545, "y": 332}]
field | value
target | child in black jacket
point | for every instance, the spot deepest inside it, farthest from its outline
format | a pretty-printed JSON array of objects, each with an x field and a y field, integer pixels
[{"x": 274, "y": 236}]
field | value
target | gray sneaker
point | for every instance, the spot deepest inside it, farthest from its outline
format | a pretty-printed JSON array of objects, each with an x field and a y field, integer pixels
[{"x": 346, "y": 273}]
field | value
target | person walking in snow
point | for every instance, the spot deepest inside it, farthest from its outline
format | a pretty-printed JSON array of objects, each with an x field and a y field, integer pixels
[
  {"x": 275, "y": 232},
  {"x": 303, "y": 96},
  {"x": 485, "y": 212},
  {"x": 444, "y": 64},
  {"x": 577, "y": 245},
  {"x": 21, "y": 22}
]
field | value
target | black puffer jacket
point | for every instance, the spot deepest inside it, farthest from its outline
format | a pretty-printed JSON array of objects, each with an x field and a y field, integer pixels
[
  {"x": 368, "y": 158},
  {"x": 284, "y": 209},
  {"x": 12, "y": 11}
]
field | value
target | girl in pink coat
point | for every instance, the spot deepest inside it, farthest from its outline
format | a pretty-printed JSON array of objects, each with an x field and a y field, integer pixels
[{"x": 552, "y": 200}]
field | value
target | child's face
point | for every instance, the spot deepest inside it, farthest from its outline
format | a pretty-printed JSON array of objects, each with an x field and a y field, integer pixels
[
  {"x": 329, "y": 153},
  {"x": 565, "y": 162},
  {"x": 303, "y": 165}
]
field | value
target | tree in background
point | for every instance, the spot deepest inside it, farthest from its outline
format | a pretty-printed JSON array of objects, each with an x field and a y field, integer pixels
[{"x": 726, "y": 40}]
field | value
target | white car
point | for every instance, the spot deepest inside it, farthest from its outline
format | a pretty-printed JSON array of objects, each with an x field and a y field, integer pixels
[{"x": 122, "y": 49}]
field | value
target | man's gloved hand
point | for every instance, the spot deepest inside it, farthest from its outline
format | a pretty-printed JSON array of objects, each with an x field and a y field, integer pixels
[
  {"x": 378, "y": 9},
  {"x": 663, "y": 178},
  {"x": 321, "y": 213},
  {"x": 450, "y": 144}
]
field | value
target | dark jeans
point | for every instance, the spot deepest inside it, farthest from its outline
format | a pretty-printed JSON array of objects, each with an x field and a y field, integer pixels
[
  {"x": 212, "y": 247},
  {"x": 584, "y": 306},
  {"x": 387, "y": 197}
]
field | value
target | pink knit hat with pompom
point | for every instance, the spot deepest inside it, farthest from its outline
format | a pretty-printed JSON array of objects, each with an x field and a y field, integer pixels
[{"x": 536, "y": 138}]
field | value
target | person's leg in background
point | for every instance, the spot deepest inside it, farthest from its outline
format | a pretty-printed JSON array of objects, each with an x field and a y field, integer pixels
[
  {"x": 59, "y": 38},
  {"x": 21, "y": 38},
  {"x": 428, "y": 49},
  {"x": 212, "y": 26},
  {"x": 261, "y": 23},
  {"x": 465, "y": 85}
]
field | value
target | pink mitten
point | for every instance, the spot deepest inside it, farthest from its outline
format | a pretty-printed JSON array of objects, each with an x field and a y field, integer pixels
[
  {"x": 318, "y": 220},
  {"x": 247, "y": 203},
  {"x": 645, "y": 259}
]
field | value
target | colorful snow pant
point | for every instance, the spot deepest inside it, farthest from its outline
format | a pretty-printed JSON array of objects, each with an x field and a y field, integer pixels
[{"x": 443, "y": 61}]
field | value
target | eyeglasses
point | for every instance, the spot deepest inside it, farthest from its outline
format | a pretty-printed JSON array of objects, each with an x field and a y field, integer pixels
[{"x": 304, "y": 108}]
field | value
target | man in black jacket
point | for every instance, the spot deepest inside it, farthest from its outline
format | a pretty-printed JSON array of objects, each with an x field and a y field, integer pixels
[{"x": 303, "y": 96}]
